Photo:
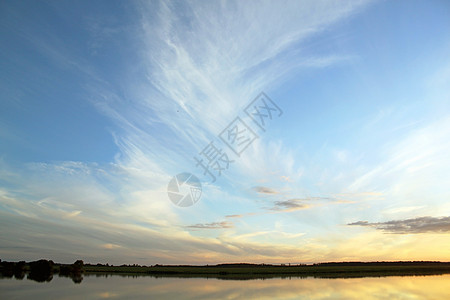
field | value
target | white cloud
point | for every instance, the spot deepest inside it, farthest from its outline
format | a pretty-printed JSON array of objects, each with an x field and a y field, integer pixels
[
  {"x": 413, "y": 172},
  {"x": 202, "y": 62}
]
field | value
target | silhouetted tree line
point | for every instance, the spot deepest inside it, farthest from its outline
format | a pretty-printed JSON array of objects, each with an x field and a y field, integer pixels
[
  {"x": 73, "y": 271},
  {"x": 42, "y": 270},
  {"x": 10, "y": 269}
]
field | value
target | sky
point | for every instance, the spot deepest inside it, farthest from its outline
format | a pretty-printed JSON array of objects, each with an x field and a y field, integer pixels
[{"x": 103, "y": 103}]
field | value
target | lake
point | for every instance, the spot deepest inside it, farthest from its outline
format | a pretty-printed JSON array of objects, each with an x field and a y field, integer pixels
[{"x": 149, "y": 287}]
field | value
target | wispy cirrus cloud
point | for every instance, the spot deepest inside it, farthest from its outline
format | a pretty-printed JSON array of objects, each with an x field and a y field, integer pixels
[
  {"x": 415, "y": 225},
  {"x": 197, "y": 79}
]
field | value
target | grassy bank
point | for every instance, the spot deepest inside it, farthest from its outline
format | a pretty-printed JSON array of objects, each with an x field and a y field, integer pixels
[{"x": 249, "y": 270}]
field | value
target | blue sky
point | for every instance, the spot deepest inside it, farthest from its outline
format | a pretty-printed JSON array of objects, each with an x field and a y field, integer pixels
[{"x": 103, "y": 103}]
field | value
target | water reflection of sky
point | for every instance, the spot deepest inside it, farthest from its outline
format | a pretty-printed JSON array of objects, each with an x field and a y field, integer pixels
[{"x": 118, "y": 287}]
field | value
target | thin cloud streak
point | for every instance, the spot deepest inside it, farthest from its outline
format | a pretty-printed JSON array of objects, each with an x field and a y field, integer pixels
[
  {"x": 213, "y": 225},
  {"x": 415, "y": 225},
  {"x": 264, "y": 190},
  {"x": 289, "y": 205}
]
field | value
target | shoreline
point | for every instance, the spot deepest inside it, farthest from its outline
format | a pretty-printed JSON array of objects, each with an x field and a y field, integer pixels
[
  {"x": 245, "y": 270},
  {"x": 248, "y": 270}
]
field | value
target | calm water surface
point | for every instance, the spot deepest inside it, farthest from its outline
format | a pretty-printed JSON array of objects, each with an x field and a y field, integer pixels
[{"x": 147, "y": 287}]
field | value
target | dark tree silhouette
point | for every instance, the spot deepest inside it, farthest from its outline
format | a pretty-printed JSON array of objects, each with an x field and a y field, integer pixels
[
  {"x": 74, "y": 271},
  {"x": 41, "y": 270}
]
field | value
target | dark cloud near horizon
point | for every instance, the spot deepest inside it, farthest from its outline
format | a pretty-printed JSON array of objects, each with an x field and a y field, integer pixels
[
  {"x": 212, "y": 225},
  {"x": 415, "y": 225},
  {"x": 290, "y": 204},
  {"x": 264, "y": 190}
]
